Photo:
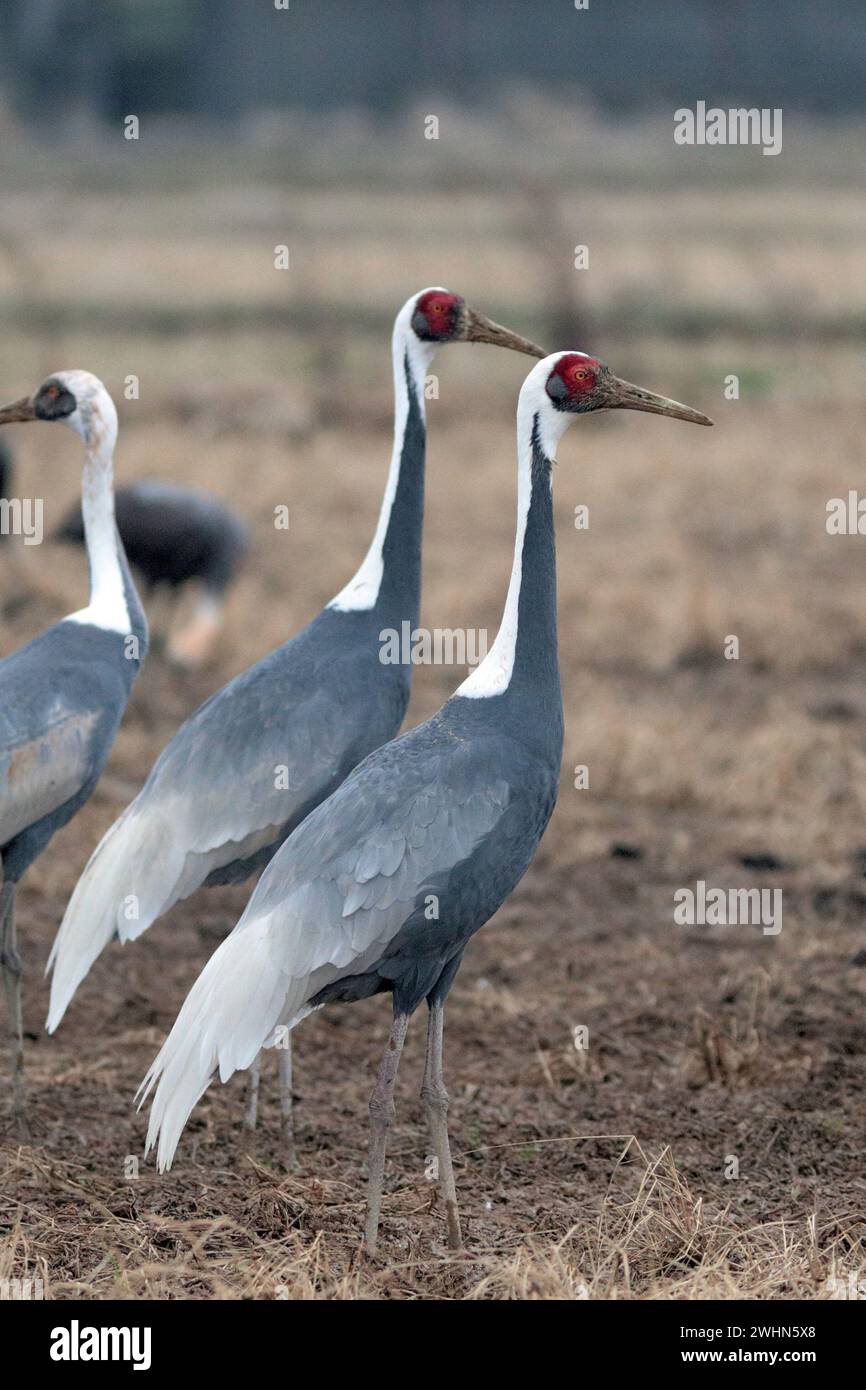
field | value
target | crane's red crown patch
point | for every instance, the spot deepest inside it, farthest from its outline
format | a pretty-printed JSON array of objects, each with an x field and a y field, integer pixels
[
  {"x": 437, "y": 315},
  {"x": 575, "y": 375}
]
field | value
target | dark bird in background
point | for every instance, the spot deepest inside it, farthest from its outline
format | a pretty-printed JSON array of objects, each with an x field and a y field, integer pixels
[
  {"x": 382, "y": 886},
  {"x": 174, "y": 536},
  {"x": 255, "y": 759},
  {"x": 62, "y": 695}
]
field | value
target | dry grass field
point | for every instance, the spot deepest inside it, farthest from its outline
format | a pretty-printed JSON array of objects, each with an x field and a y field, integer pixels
[{"x": 606, "y": 1172}]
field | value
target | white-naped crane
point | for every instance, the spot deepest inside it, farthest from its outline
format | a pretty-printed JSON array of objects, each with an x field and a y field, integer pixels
[
  {"x": 383, "y": 884},
  {"x": 259, "y": 755},
  {"x": 63, "y": 694}
]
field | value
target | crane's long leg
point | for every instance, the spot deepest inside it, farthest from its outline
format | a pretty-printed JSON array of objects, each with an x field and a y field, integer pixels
[
  {"x": 11, "y": 965},
  {"x": 381, "y": 1120},
  {"x": 251, "y": 1110},
  {"x": 287, "y": 1113},
  {"x": 435, "y": 1098}
]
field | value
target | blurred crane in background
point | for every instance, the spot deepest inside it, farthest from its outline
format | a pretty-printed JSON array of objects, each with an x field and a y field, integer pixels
[{"x": 176, "y": 537}]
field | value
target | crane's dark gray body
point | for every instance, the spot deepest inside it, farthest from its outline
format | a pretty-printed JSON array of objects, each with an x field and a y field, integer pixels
[
  {"x": 316, "y": 706},
  {"x": 429, "y": 835},
  {"x": 62, "y": 697},
  {"x": 493, "y": 827}
]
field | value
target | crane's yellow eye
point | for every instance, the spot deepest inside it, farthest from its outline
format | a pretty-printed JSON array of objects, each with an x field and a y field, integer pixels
[{"x": 580, "y": 375}]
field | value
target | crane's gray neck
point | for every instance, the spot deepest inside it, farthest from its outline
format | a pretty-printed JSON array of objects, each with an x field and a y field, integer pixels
[
  {"x": 523, "y": 658},
  {"x": 389, "y": 579}
]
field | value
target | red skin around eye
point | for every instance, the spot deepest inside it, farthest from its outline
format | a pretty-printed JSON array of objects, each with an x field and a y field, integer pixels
[
  {"x": 574, "y": 362},
  {"x": 438, "y": 309}
]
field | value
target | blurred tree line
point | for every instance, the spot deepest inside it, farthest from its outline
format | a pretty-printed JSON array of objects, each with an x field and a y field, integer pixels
[{"x": 222, "y": 58}]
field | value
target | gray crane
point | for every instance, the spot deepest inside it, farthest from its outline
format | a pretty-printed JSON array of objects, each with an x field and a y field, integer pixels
[
  {"x": 382, "y": 886},
  {"x": 62, "y": 695}
]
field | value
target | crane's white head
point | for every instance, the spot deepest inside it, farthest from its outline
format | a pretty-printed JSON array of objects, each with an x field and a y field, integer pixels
[
  {"x": 566, "y": 384},
  {"x": 77, "y": 398},
  {"x": 436, "y": 316}
]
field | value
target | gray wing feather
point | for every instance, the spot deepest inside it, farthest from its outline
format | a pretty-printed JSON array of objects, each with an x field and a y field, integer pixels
[
  {"x": 60, "y": 696},
  {"x": 252, "y": 760},
  {"x": 40, "y": 772},
  {"x": 350, "y": 876}
]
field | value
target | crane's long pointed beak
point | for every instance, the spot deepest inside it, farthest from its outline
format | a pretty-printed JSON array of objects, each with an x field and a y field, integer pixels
[
  {"x": 479, "y": 329},
  {"x": 626, "y": 396},
  {"x": 17, "y": 412}
]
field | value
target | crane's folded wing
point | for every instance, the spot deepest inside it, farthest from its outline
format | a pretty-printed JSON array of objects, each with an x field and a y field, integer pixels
[
  {"x": 52, "y": 709},
  {"x": 246, "y": 761},
  {"x": 348, "y": 879},
  {"x": 254, "y": 757},
  {"x": 42, "y": 771}
]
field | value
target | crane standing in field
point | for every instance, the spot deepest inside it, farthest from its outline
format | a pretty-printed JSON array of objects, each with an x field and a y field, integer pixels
[
  {"x": 174, "y": 536},
  {"x": 259, "y": 755},
  {"x": 384, "y": 883},
  {"x": 63, "y": 694}
]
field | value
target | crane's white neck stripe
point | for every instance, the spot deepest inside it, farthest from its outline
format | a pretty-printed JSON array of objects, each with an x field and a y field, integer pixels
[
  {"x": 493, "y": 675},
  {"x": 362, "y": 591},
  {"x": 107, "y": 608}
]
